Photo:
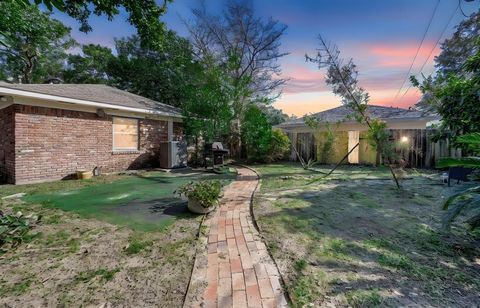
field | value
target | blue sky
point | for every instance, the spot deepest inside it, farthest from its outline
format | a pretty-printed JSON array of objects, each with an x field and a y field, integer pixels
[{"x": 382, "y": 36}]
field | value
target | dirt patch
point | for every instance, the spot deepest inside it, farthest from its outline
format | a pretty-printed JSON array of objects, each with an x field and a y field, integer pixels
[
  {"x": 74, "y": 261},
  {"x": 359, "y": 242}
]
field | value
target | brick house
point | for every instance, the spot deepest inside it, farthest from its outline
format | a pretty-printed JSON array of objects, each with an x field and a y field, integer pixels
[{"x": 49, "y": 131}]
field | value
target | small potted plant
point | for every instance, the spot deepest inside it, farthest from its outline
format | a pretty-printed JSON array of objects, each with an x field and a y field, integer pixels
[{"x": 202, "y": 196}]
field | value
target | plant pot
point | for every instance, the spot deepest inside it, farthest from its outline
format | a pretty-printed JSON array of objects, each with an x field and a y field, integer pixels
[
  {"x": 195, "y": 207},
  {"x": 84, "y": 175}
]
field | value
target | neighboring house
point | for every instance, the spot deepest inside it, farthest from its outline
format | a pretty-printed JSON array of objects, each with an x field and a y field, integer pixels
[
  {"x": 339, "y": 132},
  {"x": 49, "y": 131}
]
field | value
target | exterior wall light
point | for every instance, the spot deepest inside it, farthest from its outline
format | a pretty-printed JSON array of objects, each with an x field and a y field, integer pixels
[{"x": 404, "y": 139}]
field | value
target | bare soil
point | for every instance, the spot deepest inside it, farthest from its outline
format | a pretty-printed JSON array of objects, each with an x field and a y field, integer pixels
[
  {"x": 355, "y": 240},
  {"x": 70, "y": 260}
]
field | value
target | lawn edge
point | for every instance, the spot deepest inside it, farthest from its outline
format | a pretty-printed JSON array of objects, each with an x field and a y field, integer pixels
[{"x": 259, "y": 230}]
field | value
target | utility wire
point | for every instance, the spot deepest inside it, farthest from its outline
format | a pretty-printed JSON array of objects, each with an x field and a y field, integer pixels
[
  {"x": 418, "y": 49},
  {"x": 434, "y": 46}
]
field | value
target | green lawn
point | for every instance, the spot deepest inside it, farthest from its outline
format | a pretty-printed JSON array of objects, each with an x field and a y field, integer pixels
[
  {"x": 354, "y": 240},
  {"x": 125, "y": 240},
  {"x": 144, "y": 201}
]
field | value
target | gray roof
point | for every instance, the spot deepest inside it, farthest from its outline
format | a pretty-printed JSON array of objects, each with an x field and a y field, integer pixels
[
  {"x": 345, "y": 114},
  {"x": 98, "y": 93}
]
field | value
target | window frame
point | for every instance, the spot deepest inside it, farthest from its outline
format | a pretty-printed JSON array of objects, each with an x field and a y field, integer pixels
[{"x": 116, "y": 149}]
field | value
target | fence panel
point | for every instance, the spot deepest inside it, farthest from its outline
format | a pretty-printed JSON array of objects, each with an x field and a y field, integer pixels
[{"x": 413, "y": 145}]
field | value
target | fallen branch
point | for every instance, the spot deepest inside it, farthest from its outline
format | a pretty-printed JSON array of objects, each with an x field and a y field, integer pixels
[{"x": 337, "y": 165}]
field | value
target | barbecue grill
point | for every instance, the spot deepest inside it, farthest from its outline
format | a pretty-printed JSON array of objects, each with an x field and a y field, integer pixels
[{"x": 215, "y": 153}]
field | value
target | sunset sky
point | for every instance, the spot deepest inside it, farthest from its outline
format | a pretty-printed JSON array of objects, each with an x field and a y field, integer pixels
[{"x": 382, "y": 37}]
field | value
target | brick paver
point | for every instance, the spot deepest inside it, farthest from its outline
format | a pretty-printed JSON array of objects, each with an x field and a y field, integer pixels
[{"x": 235, "y": 269}]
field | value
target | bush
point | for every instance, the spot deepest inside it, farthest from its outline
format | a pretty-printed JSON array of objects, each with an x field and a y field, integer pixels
[
  {"x": 263, "y": 144},
  {"x": 256, "y": 134},
  {"x": 279, "y": 145},
  {"x": 206, "y": 193}
]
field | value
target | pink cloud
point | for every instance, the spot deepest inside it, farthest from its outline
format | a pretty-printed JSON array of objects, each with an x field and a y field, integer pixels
[
  {"x": 401, "y": 55},
  {"x": 303, "y": 78}
]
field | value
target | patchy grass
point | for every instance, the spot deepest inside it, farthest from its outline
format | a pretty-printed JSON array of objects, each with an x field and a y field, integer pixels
[
  {"x": 136, "y": 245},
  {"x": 103, "y": 273},
  {"x": 364, "y": 298},
  {"x": 354, "y": 240},
  {"x": 15, "y": 289},
  {"x": 74, "y": 257}
]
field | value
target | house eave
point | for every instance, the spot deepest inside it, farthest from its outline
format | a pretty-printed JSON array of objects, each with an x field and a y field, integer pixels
[
  {"x": 56, "y": 98},
  {"x": 388, "y": 120}
]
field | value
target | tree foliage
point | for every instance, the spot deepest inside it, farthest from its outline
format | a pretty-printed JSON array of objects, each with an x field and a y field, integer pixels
[
  {"x": 253, "y": 43},
  {"x": 257, "y": 134},
  {"x": 161, "y": 74},
  {"x": 89, "y": 67},
  {"x": 461, "y": 46},
  {"x": 454, "y": 91},
  {"x": 144, "y": 15},
  {"x": 262, "y": 144},
  {"x": 32, "y": 45},
  {"x": 279, "y": 145},
  {"x": 207, "y": 109}
]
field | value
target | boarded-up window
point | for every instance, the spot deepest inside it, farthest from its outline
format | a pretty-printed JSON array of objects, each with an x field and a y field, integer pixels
[{"x": 125, "y": 134}]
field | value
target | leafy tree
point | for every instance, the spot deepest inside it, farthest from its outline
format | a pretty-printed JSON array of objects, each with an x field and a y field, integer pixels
[
  {"x": 462, "y": 45},
  {"x": 32, "y": 45},
  {"x": 90, "y": 67},
  {"x": 275, "y": 116},
  {"x": 207, "y": 109},
  {"x": 144, "y": 15},
  {"x": 161, "y": 74},
  {"x": 254, "y": 43},
  {"x": 257, "y": 134},
  {"x": 455, "y": 96}
]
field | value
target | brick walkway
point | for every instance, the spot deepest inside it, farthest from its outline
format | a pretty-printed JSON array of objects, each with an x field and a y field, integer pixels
[{"x": 235, "y": 269}]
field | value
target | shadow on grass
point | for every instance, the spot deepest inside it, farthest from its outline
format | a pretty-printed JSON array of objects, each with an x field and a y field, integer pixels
[{"x": 372, "y": 236}]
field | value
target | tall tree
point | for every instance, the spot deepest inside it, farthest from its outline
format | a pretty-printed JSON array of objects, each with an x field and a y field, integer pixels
[
  {"x": 207, "y": 108},
  {"x": 454, "y": 90},
  {"x": 144, "y": 15},
  {"x": 32, "y": 45},
  {"x": 455, "y": 97},
  {"x": 462, "y": 45},
  {"x": 89, "y": 67},
  {"x": 160, "y": 74},
  {"x": 254, "y": 43}
]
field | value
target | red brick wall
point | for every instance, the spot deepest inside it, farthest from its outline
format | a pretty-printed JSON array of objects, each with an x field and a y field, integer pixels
[
  {"x": 54, "y": 143},
  {"x": 7, "y": 144}
]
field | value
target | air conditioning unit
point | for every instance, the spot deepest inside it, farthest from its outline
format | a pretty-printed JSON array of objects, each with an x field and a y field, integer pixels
[{"x": 173, "y": 154}]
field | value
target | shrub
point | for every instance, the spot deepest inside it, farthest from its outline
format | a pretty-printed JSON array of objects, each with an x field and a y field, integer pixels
[
  {"x": 206, "y": 193},
  {"x": 263, "y": 144},
  {"x": 279, "y": 145},
  {"x": 256, "y": 134}
]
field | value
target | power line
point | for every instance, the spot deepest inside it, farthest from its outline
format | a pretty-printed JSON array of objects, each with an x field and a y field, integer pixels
[
  {"x": 434, "y": 46},
  {"x": 419, "y": 47}
]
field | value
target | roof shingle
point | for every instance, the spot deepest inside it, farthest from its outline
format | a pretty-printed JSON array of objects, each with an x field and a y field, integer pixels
[
  {"x": 97, "y": 93},
  {"x": 343, "y": 113}
]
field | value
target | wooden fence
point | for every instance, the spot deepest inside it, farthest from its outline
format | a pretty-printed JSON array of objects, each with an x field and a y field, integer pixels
[{"x": 413, "y": 145}]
